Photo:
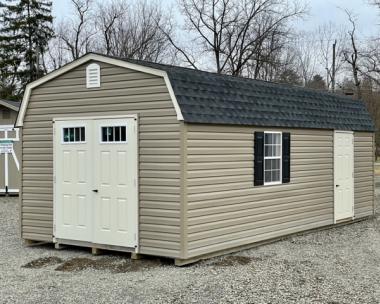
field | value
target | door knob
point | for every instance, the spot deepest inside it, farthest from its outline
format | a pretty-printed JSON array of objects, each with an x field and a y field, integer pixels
[{"x": 95, "y": 190}]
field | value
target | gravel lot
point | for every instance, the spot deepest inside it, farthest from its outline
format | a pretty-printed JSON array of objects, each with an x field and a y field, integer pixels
[{"x": 340, "y": 265}]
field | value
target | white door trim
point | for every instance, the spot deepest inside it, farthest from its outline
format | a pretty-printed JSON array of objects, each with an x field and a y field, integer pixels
[
  {"x": 334, "y": 173},
  {"x": 92, "y": 118}
]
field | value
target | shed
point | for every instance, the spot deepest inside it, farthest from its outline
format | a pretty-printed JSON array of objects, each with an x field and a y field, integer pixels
[
  {"x": 10, "y": 148},
  {"x": 174, "y": 162}
]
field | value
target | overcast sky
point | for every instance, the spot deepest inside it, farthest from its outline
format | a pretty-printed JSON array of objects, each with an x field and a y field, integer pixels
[{"x": 321, "y": 11}]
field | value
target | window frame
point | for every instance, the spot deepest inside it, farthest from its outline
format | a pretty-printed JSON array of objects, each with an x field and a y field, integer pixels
[
  {"x": 279, "y": 182},
  {"x": 113, "y": 142},
  {"x": 63, "y": 142}
]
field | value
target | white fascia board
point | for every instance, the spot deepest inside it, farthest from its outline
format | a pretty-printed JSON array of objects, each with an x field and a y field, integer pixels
[{"x": 100, "y": 58}]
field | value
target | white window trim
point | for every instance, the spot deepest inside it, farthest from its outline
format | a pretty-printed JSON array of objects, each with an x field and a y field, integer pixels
[
  {"x": 73, "y": 142},
  {"x": 273, "y": 157},
  {"x": 90, "y": 67}
]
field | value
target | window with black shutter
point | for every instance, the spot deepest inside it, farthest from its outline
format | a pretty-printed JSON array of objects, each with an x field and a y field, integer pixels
[
  {"x": 259, "y": 159},
  {"x": 285, "y": 157},
  {"x": 272, "y": 158}
]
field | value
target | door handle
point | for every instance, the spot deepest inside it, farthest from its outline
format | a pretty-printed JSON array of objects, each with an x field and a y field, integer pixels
[
  {"x": 335, "y": 186},
  {"x": 95, "y": 190}
]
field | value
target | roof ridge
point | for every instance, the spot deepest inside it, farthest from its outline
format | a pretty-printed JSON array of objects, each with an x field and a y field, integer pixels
[{"x": 245, "y": 78}]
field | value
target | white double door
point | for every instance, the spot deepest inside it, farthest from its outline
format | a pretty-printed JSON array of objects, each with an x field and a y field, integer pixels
[
  {"x": 95, "y": 182},
  {"x": 343, "y": 175}
]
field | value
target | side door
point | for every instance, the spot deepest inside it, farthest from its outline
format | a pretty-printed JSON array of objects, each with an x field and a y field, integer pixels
[
  {"x": 343, "y": 175},
  {"x": 115, "y": 174},
  {"x": 73, "y": 180}
]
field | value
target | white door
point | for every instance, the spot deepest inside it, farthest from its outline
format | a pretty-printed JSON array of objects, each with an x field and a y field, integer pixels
[
  {"x": 73, "y": 180},
  {"x": 116, "y": 189},
  {"x": 343, "y": 175},
  {"x": 95, "y": 189}
]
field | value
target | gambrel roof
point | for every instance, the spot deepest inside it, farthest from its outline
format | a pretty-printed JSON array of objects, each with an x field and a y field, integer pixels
[
  {"x": 205, "y": 97},
  {"x": 210, "y": 98}
]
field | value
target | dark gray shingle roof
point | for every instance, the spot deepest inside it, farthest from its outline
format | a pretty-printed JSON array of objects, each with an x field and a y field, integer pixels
[{"x": 205, "y": 97}]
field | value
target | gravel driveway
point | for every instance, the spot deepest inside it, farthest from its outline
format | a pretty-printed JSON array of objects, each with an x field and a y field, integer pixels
[{"x": 340, "y": 265}]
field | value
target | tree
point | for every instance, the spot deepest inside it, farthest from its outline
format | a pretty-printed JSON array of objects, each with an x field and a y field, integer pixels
[
  {"x": 306, "y": 60},
  {"x": 24, "y": 35},
  {"x": 235, "y": 33},
  {"x": 329, "y": 36},
  {"x": 351, "y": 55},
  {"x": 138, "y": 30},
  {"x": 77, "y": 32},
  {"x": 317, "y": 82},
  {"x": 290, "y": 76}
]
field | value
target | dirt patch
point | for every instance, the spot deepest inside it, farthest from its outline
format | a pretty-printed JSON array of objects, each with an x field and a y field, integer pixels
[
  {"x": 43, "y": 262},
  {"x": 115, "y": 265},
  {"x": 233, "y": 260}
]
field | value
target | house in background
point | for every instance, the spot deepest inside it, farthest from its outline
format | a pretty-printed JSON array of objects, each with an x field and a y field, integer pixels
[
  {"x": 10, "y": 148},
  {"x": 168, "y": 161}
]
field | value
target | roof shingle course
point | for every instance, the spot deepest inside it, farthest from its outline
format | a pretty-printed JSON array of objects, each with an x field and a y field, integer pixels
[{"x": 206, "y": 97}]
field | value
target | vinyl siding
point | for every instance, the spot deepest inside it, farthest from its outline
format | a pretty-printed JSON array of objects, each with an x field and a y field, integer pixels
[
  {"x": 122, "y": 91},
  {"x": 224, "y": 208},
  {"x": 364, "y": 154}
]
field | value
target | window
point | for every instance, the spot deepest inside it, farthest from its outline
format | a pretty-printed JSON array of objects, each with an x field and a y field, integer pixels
[
  {"x": 74, "y": 135},
  {"x": 8, "y": 132},
  {"x": 6, "y": 114},
  {"x": 93, "y": 76},
  {"x": 114, "y": 134},
  {"x": 272, "y": 157}
]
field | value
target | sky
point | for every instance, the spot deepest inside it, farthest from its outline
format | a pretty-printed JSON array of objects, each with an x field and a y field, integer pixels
[{"x": 320, "y": 12}]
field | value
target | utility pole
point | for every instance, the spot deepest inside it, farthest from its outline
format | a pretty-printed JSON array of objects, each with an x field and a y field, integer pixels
[{"x": 333, "y": 68}]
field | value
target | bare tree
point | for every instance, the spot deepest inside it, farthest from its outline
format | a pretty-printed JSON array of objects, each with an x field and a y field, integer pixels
[
  {"x": 351, "y": 55},
  {"x": 329, "y": 37},
  {"x": 305, "y": 53},
  {"x": 56, "y": 55},
  {"x": 138, "y": 30},
  {"x": 234, "y": 33},
  {"x": 106, "y": 19},
  {"x": 77, "y": 33}
]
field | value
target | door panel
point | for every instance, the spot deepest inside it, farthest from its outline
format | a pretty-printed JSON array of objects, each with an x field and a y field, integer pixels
[
  {"x": 73, "y": 180},
  {"x": 343, "y": 175},
  {"x": 115, "y": 166}
]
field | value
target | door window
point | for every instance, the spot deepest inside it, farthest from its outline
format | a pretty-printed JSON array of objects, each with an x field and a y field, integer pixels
[
  {"x": 113, "y": 134},
  {"x": 74, "y": 134}
]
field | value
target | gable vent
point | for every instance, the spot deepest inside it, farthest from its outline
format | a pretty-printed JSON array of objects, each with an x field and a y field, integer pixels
[{"x": 93, "y": 76}]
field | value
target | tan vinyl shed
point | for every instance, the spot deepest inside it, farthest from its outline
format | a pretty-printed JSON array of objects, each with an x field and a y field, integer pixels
[{"x": 168, "y": 161}]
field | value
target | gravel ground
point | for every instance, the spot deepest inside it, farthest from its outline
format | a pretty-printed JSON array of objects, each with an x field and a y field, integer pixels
[{"x": 340, "y": 265}]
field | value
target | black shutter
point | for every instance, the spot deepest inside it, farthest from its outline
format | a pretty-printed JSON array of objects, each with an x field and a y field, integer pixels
[
  {"x": 259, "y": 159},
  {"x": 285, "y": 157}
]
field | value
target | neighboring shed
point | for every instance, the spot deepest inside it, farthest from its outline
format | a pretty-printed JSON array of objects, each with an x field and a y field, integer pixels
[
  {"x": 10, "y": 148},
  {"x": 174, "y": 162}
]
